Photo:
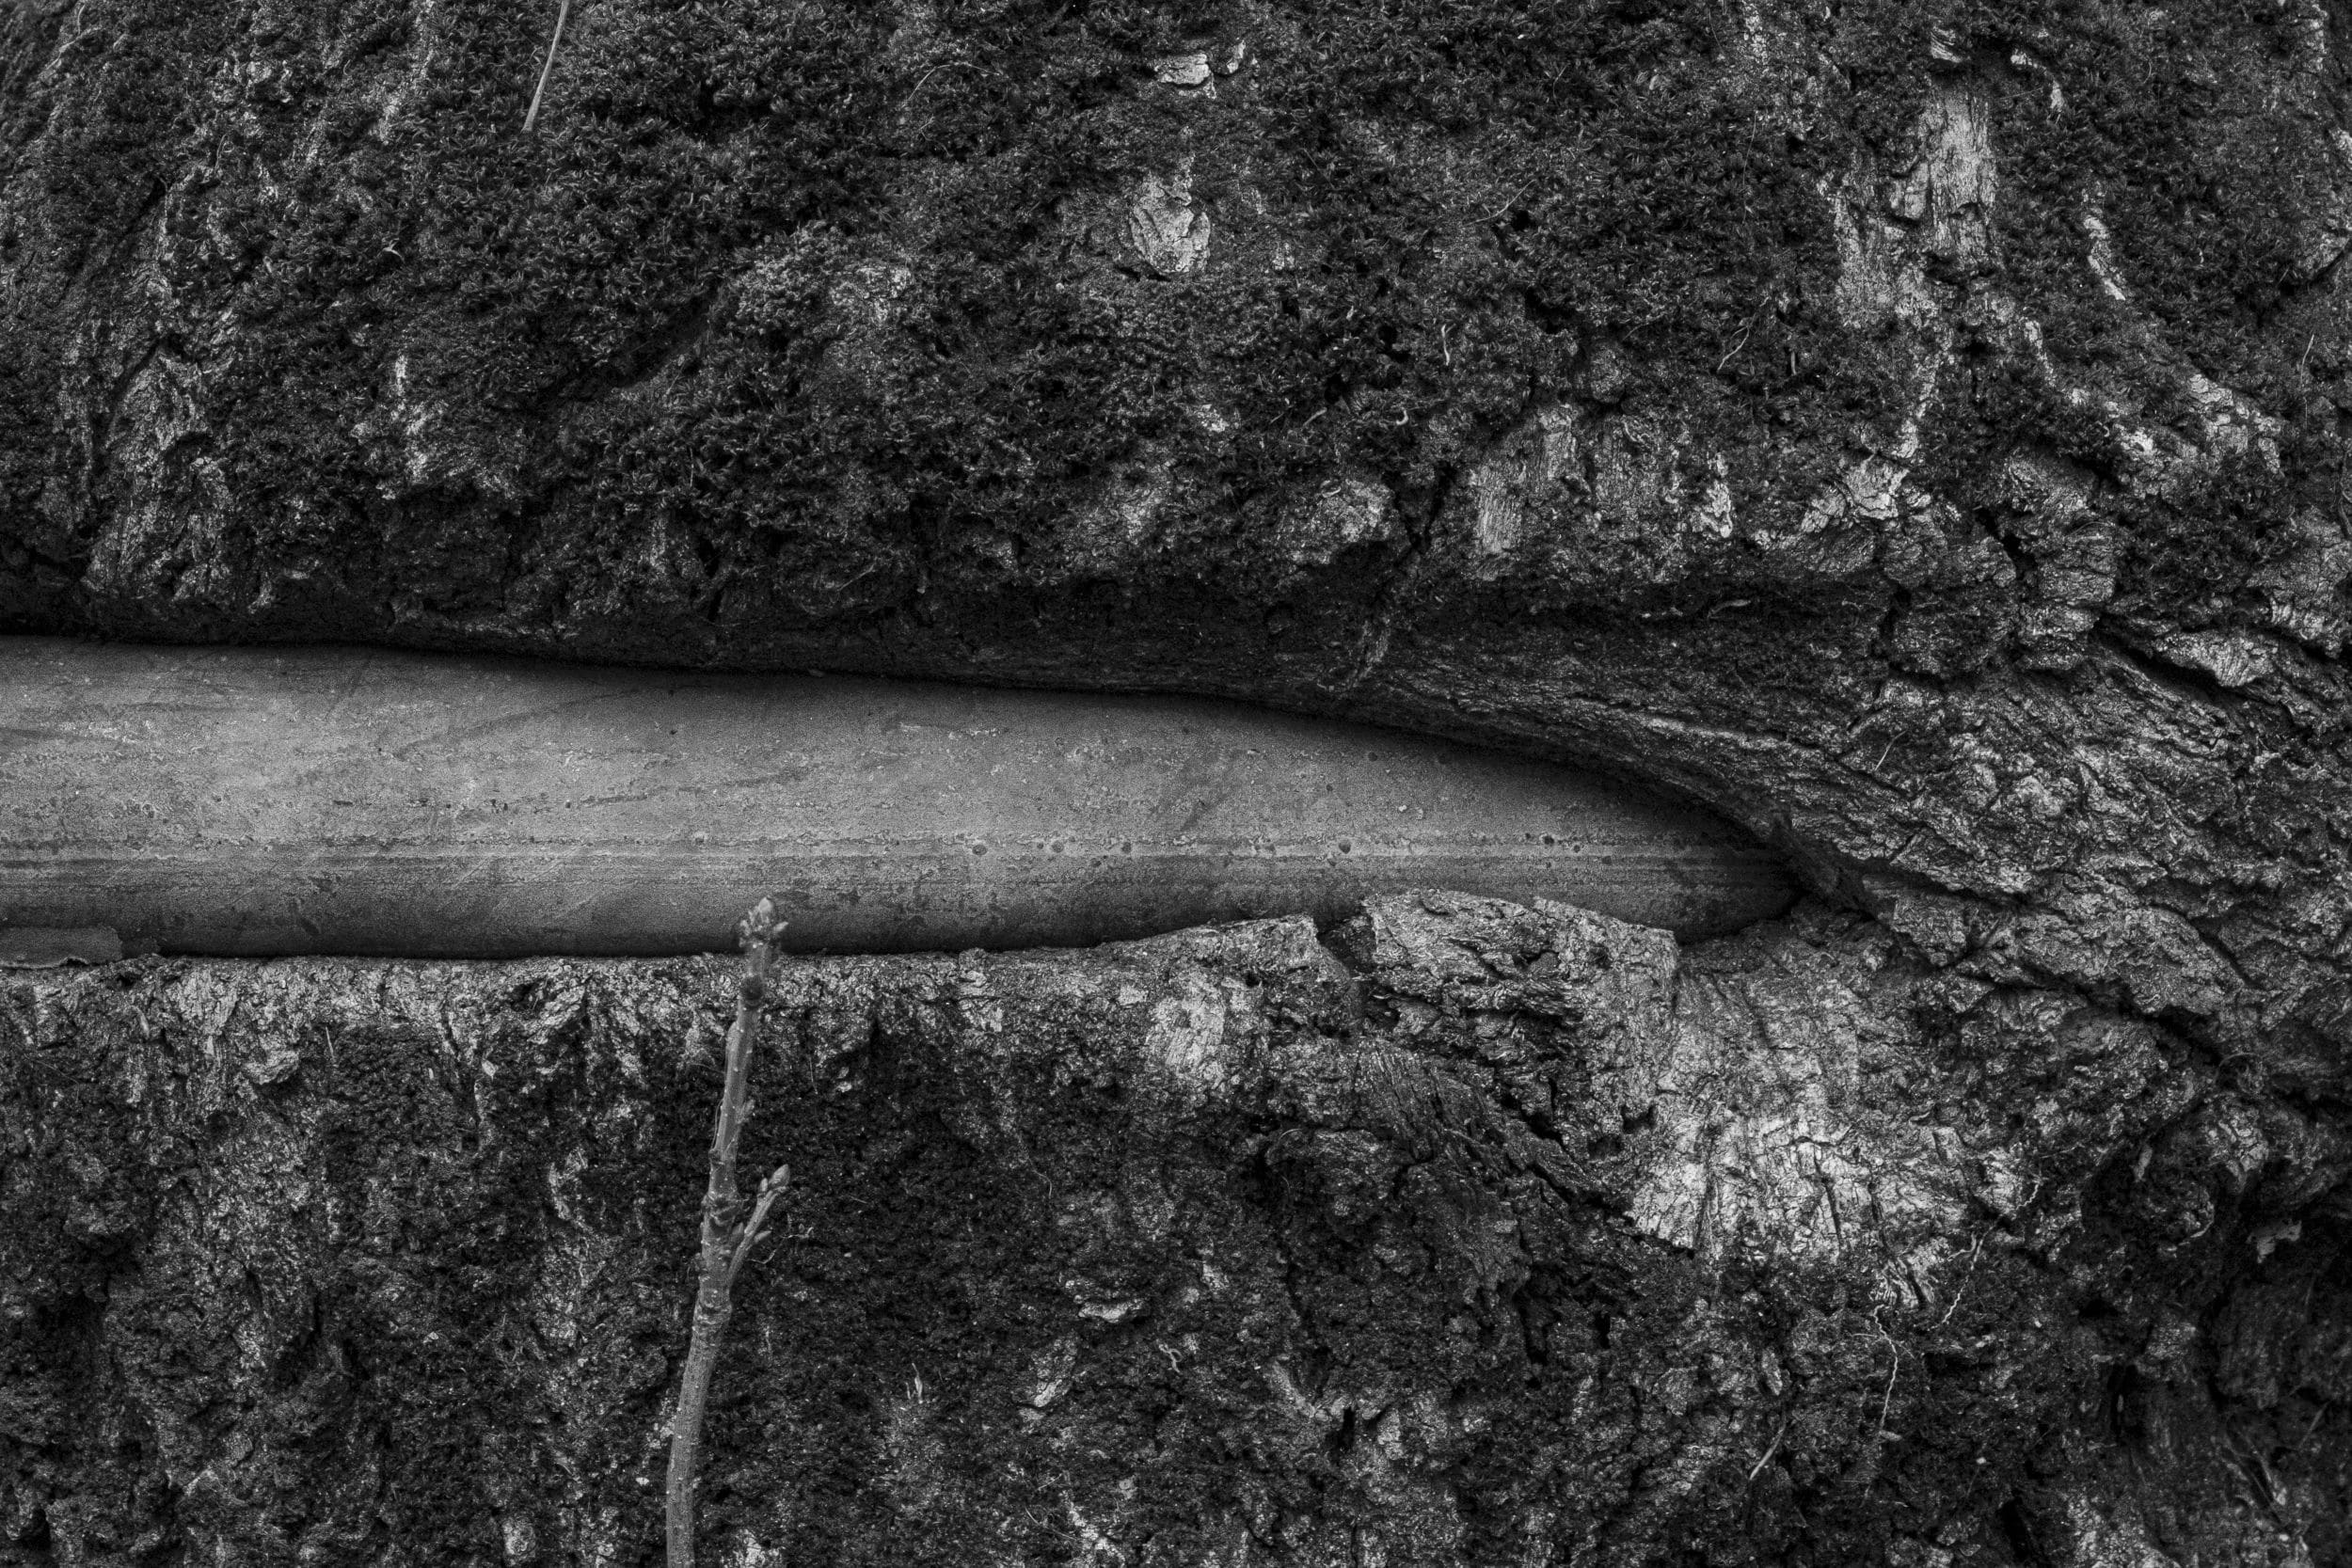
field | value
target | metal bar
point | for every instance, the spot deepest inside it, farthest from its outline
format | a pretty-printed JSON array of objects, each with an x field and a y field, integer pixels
[{"x": 263, "y": 801}]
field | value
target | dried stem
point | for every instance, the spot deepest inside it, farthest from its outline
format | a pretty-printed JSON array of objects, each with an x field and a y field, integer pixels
[
  {"x": 1771, "y": 1450},
  {"x": 563, "y": 9},
  {"x": 728, "y": 1237}
]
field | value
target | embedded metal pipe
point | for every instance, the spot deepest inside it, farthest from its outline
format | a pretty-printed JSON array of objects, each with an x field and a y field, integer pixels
[{"x": 266, "y": 802}]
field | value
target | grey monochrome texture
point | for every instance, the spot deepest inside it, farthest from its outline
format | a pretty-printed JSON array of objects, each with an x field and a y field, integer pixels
[{"x": 1879, "y": 465}]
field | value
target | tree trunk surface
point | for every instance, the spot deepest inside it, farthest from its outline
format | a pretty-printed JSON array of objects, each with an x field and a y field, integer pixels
[{"x": 1914, "y": 433}]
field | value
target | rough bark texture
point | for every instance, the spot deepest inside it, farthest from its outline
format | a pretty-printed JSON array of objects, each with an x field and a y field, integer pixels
[
  {"x": 1481, "y": 1235},
  {"x": 1912, "y": 430}
]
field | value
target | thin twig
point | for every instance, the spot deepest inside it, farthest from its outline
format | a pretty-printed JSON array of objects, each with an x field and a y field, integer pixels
[
  {"x": 1974, "y": 1249},
  {"x": 1768, "y": 1453},
  {"x": 2308, "y": 1430},
  {"x": 1510, "y": 201},
  {"x": 1896, "y": 1352},
  {"x": 728, "y": 1236},
  {"x": 1737, "y": 343},
  {"x": 934, "y": 71},
  {"x": 563, "y": 9}
]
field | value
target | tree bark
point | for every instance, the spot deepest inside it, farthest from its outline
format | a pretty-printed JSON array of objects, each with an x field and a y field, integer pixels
[{"x": 1914, "y": 436}]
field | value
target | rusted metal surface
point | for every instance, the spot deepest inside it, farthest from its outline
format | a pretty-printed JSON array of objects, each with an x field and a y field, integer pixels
[{"x": 263, "y": 802}]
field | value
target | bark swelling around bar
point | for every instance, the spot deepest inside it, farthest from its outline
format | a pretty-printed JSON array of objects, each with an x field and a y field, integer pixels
[
  {"x": 1915, "y": 431},
  {"x": 340, "y": 800}
]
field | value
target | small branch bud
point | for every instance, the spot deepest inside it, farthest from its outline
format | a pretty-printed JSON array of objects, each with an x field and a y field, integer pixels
[{"x": 760, "y": 928}]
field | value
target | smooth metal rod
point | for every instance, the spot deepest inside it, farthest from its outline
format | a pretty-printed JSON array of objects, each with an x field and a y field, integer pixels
[{"x": 283, "y": 801}]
